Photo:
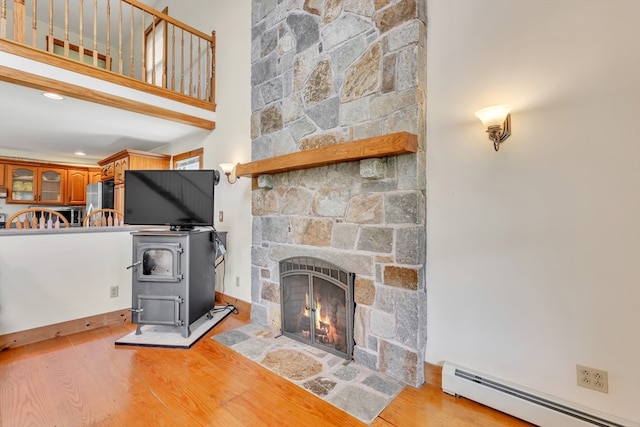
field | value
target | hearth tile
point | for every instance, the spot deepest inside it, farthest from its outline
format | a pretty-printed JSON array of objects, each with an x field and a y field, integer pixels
[
  {"x": 231, "y": 338},
  {"x": 292, "y": 364},
  {"x": 347, "y": 373},
  {"x": 359, "y": 402},
  {"x": 389, "y": 388},
  {"x": 253, "y": 348},
  {"x": 320, "y": 386}
]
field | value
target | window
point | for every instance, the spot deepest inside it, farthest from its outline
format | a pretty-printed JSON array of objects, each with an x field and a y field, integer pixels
[{"x": 189, "y": 160}]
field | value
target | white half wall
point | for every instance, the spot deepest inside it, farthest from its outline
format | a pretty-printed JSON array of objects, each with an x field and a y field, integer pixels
[
  {"x": 52, "y": 278},
  {"x": 533, "y": 262}
]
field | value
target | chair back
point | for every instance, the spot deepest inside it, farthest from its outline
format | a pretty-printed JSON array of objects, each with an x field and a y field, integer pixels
[
  {"x": 104, "y": 218},
  {"x": 37, "y": 218}
]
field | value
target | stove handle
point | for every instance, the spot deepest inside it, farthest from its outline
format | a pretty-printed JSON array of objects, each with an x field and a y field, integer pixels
[{"x": 134, "y": 264}]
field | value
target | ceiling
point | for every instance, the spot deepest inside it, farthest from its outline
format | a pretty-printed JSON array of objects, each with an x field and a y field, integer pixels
[{"x": 53, "y": 130}]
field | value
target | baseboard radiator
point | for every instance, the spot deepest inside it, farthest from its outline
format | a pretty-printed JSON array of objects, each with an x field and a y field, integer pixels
[{"x": 528, "y": 405}]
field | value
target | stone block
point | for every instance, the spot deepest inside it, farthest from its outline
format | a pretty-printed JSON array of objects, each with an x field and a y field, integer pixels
[
  {"x": 271, "y": 90},
  {"x": 312, "y": 232},
  {"x": 364, "y": 77},
  {"x": 360, "y": 325},
  {"x": 360, "y": 7},
  {"x": 265, "y": 182},
  {"x": 354, "y": 112},
  {"x": 409, "y": 320},
  {"x": 270, "y": 291},
  {"x": 382, "y": 324},
  {"x": 305, "y": 28},
  {"x": 375, "y": 239},
  {"x": 292, "y": 108},
  {"x": 259, "y": 314},
  {"x": 343, "y": 29},
  {"x": 407, "y": 68},
  {"x": 270, "y": 119},
  {"x": 264, "y": 70},
  {"x": 385, "y": 299},
  {"x": 318, "y": 86},
  {"x": 299, "y": 129},
  {"x": 408, "y": 34},
  {"x": 364, "y": 291},
  {"x": 344, "y": 236},
  {"x": 296, "y": 201},
  {"x": 372, "y": 168},
  {"x": 345, "y": 54},
  {"x": 396, "y": 15},
  {"x": 410, "y": 245},
  {"x": 387, "y": 104},
  {"x": 331, "y": 11},
  {"x": 326, "y": 114},
  {"x": 389, "y": 74},
  {"x": 331, "y": 200},
  {"x": 275, "y": 229},
  {"x": 401, "y": 277},
  {"x": 403, "y": 208},
  {"x": 400, "y": 363},
  {"x": 365, "y": 357},
  {"x": 264, "y": 202},
  {"x": 268, "y": 42},
  {"x": 366, "y": 209},
  {"x": 274, "y": 316}
]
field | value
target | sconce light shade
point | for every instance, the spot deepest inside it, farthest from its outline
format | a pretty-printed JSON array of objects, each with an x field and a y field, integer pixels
[
  {"x": 228, "y": 169},
  {"x": 497, "y": 120}
]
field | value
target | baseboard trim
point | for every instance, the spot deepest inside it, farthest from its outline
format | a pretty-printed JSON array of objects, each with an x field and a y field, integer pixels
[
  {"x": 30, "y": 336},
  {"x": 433, "y": 374},
  {"x": 242, "y": 306}
]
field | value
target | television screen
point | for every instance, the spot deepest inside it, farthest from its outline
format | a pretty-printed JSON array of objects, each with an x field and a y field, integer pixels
[{"x": 178, "y": 198}]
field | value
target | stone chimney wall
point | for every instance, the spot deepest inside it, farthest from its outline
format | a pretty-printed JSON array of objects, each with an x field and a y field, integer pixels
[{"x": 326, "y": 72}]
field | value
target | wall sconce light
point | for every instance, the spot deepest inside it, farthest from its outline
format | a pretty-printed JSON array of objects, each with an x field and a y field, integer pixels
[
  {"x": 228, "y": 169},
  {"x": 497, "y": 120}
]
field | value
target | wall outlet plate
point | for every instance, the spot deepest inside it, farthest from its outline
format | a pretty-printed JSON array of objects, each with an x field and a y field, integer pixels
[
  {"x": 595, "y": 379},
  {"x": 113, "y": 292}
]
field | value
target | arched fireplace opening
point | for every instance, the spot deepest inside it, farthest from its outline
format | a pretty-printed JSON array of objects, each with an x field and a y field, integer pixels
[{"x": 317, "y": 304}]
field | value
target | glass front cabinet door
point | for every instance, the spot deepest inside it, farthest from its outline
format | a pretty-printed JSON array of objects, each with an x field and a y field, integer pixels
[{"x": 35, "y": 185}]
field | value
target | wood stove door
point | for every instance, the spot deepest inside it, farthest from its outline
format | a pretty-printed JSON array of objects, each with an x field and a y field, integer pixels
[{"x": 158, "y": 262}]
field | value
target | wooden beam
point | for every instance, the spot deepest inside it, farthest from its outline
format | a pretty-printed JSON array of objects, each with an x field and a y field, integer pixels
[
  {"x": 380, "y": 146},
  {"x": 35, "y": 81}
]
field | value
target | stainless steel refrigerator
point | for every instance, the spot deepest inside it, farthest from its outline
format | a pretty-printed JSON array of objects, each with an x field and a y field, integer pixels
[{"x": 99, "y": 196}]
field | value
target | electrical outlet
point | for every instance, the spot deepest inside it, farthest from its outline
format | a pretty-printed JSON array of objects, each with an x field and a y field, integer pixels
[
  {"x": 595, "y": 379},
  {"x": 221, "y": 216},
  {"x": 113, "y": 292},
  {"x": 237, "y": 281}
]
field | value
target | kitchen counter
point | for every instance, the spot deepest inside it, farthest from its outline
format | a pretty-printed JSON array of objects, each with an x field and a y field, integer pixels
[{"x": 71, "y": 230}]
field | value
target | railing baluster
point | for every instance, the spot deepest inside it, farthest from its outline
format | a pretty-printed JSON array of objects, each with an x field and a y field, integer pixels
[
  {"x": 66, "y": 28},
  {"x": 199, "y": 70},
  {"x": 3, "y": 19},
  {"x": 19, "y": 13},
  {"x": 182, "y": 62},
  {"x": 34, "y": 25},
  {"x": 50, "y": 38},
  {"x": 95, "y": 33},
  {"x": 131, "y": 63},
  {"x": 143, "y": 59},
  {"x": 120, "y": 39},
  {"x": 108, "y": 57},
  {"x": 190, "y": 64},
  {"x": 152, "y": 66},
  {"x": 212, "y": 91},
  {"x": 173, "y": 57},
  {"x": 80, "y": 30}
]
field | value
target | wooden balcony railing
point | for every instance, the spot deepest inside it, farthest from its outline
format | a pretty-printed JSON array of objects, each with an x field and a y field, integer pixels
[{"x": 124, "y": 37}]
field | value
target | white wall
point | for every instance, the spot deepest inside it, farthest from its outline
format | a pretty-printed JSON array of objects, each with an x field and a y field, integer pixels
[
  {"x": 533, "y": 261},
  {"x": 52, "y": 278},
  {"x": 230, "y": 141}
]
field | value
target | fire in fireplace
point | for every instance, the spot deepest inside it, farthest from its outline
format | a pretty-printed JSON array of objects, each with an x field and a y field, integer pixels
[{"x": 317, "y": 304}]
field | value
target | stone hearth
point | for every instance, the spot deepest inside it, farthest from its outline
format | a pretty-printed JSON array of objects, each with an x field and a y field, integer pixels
[{"x": 327, "y": 72}]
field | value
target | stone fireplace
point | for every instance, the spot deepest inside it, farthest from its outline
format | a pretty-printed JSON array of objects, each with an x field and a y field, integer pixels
[{"x": 326, "y": 73}]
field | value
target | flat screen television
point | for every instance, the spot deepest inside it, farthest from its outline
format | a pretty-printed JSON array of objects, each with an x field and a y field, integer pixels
[{"x": 181, "y": 199}]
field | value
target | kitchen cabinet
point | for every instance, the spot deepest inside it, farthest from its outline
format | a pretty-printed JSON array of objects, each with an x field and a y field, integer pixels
[
  {"x": 118, "y": 197},
  {"x": 36, "y": 185},
  {"x": 95, "y": 175},
  {"x": 3, "y": 169},
  {"x": 77, "y": 181},
  {"x": 113, "y": 167}
]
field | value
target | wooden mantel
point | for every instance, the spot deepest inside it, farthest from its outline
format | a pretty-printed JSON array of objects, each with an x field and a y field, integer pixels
[{"x": 379, "y": 146}]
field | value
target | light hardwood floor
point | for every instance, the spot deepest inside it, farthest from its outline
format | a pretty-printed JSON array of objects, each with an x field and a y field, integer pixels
[{"x": 85, "y": 380}]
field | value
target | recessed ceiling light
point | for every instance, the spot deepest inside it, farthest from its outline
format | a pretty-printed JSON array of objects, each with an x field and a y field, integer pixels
[
  {"x": 79, "y": 153},
  {"x": 52, "y": 95}
]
